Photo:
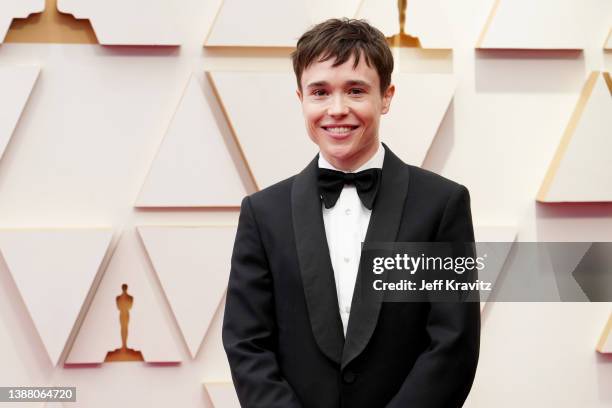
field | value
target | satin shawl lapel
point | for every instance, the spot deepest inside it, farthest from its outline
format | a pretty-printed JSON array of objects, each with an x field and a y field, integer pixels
[
  {"x": 384, "y": 224},
  {"x": 315, "y": 263}
]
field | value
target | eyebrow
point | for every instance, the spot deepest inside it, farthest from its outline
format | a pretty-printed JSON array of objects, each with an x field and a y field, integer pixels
[
  {"x": 347, "y": 83},
  {"x": 358, "y": 82}
]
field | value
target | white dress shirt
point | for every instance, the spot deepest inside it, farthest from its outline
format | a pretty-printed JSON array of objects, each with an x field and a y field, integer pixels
[{"x": 346, "y": 224}]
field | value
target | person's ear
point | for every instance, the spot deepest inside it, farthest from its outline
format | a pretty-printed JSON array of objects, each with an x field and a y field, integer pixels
[
  {"x": 299, "y": 94},
  {"x": 387, "y": 97}
]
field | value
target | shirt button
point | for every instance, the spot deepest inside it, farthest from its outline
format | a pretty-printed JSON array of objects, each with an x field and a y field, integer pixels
[
  {"x": 349, "y": 377},
  {"x": 347, "y": 211},
  {"x": 347, "y": 309},
  {"x": 347, "y": 259}
]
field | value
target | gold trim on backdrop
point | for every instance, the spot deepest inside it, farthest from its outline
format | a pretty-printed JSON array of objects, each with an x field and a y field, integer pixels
[
  {"x": 212, "y": 25},
  {"x": 399, "y": 40},
  {"x": 176, "y": 207},
  {"x": 485, "y": 29},
  {"x": 607, "y": 40},
  {"x": 241, "y": 46},
  {"x": 51, "y": 26},
  {"x": 604, "y": 336},
  {"x": 359, "y": 7},
  {"x": 232, "y": 128},
  {"x": 587, "y": 90},
  {"x": 608, "y": 79},
  {"x": 487, "y": 25}
]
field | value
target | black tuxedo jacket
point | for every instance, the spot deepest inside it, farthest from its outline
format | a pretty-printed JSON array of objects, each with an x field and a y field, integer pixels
[{"x": 282, "y": 330}]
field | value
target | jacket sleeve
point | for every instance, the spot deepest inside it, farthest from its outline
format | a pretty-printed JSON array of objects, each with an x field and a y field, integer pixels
[
  {"x": 443, "y": 374},
  {"x": 249, "y": 324}
]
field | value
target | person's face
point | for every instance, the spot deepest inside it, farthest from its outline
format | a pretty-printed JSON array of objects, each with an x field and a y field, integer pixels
[{"x": 342, "y": 108}]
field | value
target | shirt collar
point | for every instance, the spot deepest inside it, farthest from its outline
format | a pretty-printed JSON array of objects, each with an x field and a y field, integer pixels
[{"x": 375, "y": 162}]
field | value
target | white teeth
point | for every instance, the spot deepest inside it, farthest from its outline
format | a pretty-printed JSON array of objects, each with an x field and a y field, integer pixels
[{"x": 339, "y": 129}]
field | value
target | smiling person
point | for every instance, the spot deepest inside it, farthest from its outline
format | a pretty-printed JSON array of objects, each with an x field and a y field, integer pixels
[{"x": 296, "y": 331}]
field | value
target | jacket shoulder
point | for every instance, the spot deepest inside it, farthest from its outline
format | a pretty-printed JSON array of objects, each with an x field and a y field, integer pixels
[
  {"x": 428, "y": 189},
  {"x": 272, "y": 196},
  {"x": 432, "y": 179}
]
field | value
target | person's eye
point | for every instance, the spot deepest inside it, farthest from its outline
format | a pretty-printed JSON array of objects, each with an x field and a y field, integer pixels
[
  {"x": 319, "y": 92},
  {"x": 356, "y": 91}
]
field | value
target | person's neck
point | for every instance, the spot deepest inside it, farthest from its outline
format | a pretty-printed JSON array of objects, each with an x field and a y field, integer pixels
[{"x": 353, "y": 163}]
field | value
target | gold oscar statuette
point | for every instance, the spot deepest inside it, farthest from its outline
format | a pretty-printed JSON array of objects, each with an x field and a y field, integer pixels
[
  {"x": 124, "y": 304},
  {"x": 402, "y": 39}
]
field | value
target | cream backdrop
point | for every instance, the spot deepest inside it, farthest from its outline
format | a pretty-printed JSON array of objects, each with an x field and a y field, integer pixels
[
  {"x": 94, "y": 128},
  {"x": 21, "y": 9},
  {"x": 554, "y": 24},
  {"x": 136, "y": 22}
]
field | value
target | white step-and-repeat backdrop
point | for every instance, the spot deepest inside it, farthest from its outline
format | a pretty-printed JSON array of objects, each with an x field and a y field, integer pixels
[{"x": 130, "y": 131}]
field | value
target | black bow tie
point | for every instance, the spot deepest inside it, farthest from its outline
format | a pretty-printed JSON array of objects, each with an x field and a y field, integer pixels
[{"x": 366, "y": 182}]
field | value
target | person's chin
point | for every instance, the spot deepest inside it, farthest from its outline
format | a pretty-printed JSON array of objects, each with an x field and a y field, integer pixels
[
  {"x": 338, "y": 153},
  {"x": 339, "y": 143}
]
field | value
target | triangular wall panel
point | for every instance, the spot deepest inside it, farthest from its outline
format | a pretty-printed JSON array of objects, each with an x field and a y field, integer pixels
[
  {"x": 150, "y": 329},
  {"x": 605, "y": 342},
  {"x": 238, "y": 92},
  {"x": 419, "y": 105},
  {"x": 222, "y": 395},
  {"x": 580, "y": 170},
  {"x": 54, "y": 271},
  {"x": 496, "y": 242},
  {"x": 134, "y": 22},
  {"x": 542, "y": 24},
  {"x": 564, "y": 260},
  {"x": 193, "y": 167},
  {"x": 14, "y": 371},
  {"x": 193, "y": 265},
  {"x": 417, "y": 110},
  {"x": 257, "y": 23},
  {"x": 10, "y": 9},
  {"x": 16, "y": 83}
]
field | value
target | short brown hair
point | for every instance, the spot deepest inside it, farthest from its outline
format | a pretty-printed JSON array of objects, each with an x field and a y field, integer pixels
[{"x": 341, "y": 39}]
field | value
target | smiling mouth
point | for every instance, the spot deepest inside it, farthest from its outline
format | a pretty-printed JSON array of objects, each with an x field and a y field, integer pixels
[{"x": 340, "y": 130}]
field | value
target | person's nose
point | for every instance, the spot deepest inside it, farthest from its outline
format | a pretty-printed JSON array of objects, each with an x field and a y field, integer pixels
[{"x": 338, "y": 106}]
